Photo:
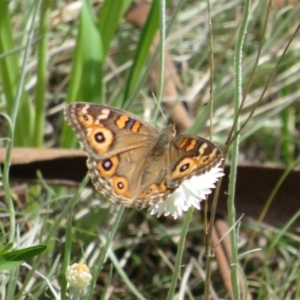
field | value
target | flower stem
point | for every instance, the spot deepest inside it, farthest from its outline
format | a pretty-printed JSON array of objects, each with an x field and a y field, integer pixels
[{"x": 180, "y": 250}]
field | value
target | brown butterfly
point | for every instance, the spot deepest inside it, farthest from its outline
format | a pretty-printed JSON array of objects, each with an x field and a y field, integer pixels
[{"x": 130, "y": 161}]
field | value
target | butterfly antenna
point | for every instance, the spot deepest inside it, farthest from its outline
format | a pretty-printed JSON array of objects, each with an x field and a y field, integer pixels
[{"x": 158, "y": 106}]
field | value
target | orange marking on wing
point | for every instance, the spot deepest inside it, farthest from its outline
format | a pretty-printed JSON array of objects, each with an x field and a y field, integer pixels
[
  {"x": 121, "y": 121},
  {"x": 191, "y": 145},
  {"x": 163, "y": 187},
  {"x": 100, "y": 138},
  {"x": 107, "y": 170},
  {"x": 120, "y": 186},
  {"x": 184, "y": 167},
  {"x": 150, "y": 191},
  {"x": 136, "y": 126},
  {"x": 85, "y": 119},
  {"x": 184, "y": 141},
  {"x": 204, "y": 160}
]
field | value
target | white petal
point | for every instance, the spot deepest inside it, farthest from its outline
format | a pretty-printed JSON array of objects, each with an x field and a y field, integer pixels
[{"x": 190, "y": 193}]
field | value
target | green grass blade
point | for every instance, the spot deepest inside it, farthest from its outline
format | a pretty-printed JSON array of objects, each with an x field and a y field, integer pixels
[
  {"x": 67, "y": 255},
  {"x": 98, "y": 264},
  {"x": 41, "y": 74},
  {"x": 180, "y": 250},
  {"x": 8, "y": 64},
  {"x": 92, "y": 57},
  {"x": 5, "y": 180},
  {"x": 145, "y": 42},
  {"x": 51, "y": 231},
  {"x": 68, "y": 138},
  {"x": 124, "y": 276},
  {"x": 148, "y": 68},
  {"x": 109, "y": 19},
  {"x": 10, "y": 78},
  {"x": 235, "y": 151},
  {"x": 86, "y": 77},
  {"x": 12, "y": 284},
  {"x": 107, "y": 283},
  {"x": 12, "y": 124},
  {"x": 162, "y": 43}
]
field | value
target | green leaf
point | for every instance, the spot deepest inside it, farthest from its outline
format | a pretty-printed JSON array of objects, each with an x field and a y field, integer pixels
[
  {"x": 13, "y": 259},
  {"x": 5, "y": 248}
]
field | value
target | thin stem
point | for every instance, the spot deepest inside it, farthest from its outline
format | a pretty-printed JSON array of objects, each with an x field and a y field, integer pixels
[
  {"x": 162, "y": 31},
  {"x": 235, "y": 150},
  {"x": 153, "y": 58},
  {"x": 179, "y": 254},
  {"x": 209, "y": 246},
  {"x": 98, "y": 264},
  {"x": 266, "y": 86},
  {"x": 253, "y": 71},
  {"x": 211, "y": 65}
]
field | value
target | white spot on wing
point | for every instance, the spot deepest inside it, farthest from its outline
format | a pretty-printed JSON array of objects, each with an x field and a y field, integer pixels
[{"x": 103, "y": 116}]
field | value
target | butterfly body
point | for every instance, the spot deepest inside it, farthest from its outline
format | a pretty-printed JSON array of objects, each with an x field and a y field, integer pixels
[{"x": 130, "y": 161}]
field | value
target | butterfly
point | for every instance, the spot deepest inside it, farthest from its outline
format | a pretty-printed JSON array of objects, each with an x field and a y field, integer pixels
[{"x": 131, "y": 162}]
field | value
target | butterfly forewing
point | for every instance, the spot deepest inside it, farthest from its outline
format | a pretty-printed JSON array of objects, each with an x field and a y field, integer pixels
[
  {"x": 104, "y": 131},
  {"x": 130, "y": 161}
]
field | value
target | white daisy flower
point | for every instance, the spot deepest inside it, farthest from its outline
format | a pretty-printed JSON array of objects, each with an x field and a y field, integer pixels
[
  {"x": 190, "y": 193},
  {"x": 78, "y": 275}
]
